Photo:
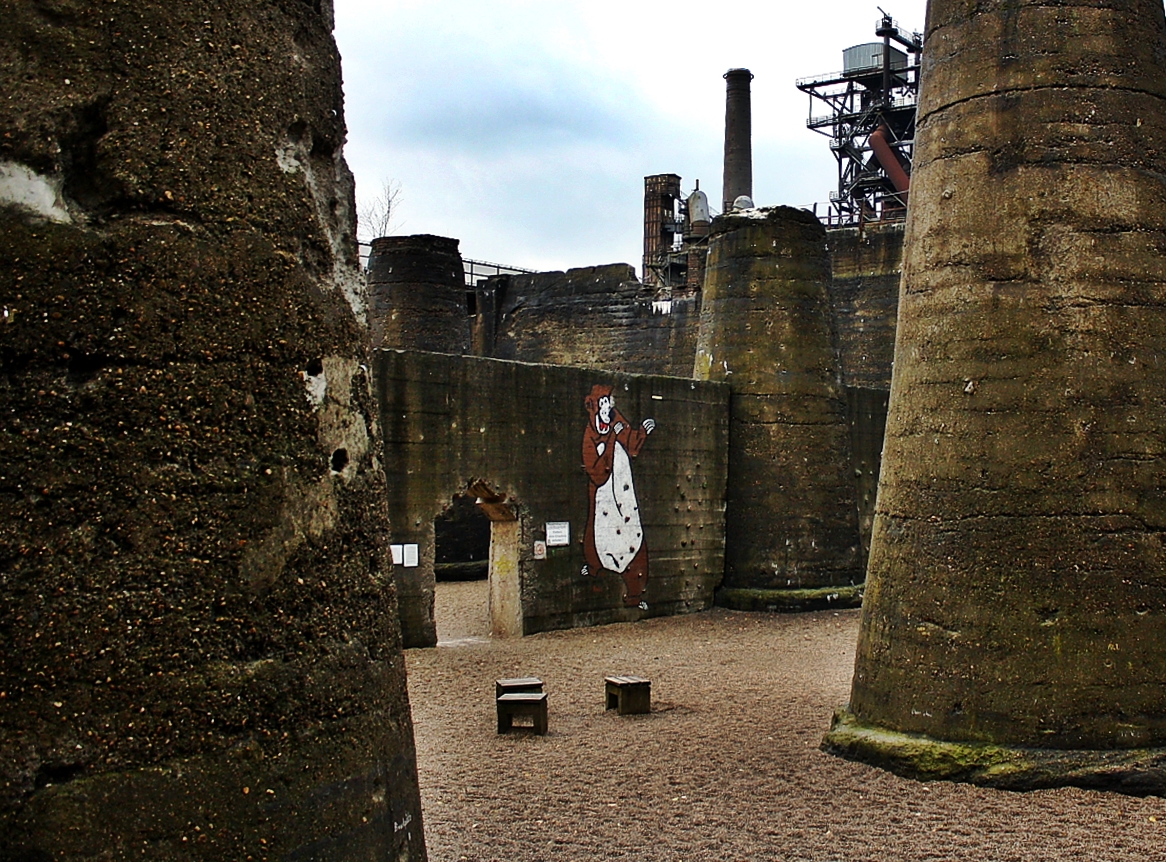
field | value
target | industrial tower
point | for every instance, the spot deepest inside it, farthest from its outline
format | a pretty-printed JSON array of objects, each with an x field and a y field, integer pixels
[{"x": 871, "y": 124}]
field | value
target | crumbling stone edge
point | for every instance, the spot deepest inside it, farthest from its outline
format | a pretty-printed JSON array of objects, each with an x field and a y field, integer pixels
[
  {"x": 1137, "y": 772},
  {"x": 789, "y": 601}
]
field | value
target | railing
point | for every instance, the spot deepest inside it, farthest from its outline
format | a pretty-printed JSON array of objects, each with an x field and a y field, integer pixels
[
  {"x": 904, "y": 33},
  {"x": 889, "y": 210},
  {"x": 818, "y": 79},
  {"x": 850, "y": 116},
  {"x": 477, "y": 270}
]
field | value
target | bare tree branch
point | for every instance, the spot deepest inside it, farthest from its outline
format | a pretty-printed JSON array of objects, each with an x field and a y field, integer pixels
[{"x": 376, "y": 217}]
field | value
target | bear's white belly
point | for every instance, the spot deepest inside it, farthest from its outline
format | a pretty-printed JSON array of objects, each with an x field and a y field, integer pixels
[{"x": 618, "y": 534}]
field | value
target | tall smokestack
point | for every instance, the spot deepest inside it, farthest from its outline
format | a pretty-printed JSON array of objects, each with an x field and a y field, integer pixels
[{"x": 738, "y": 133}]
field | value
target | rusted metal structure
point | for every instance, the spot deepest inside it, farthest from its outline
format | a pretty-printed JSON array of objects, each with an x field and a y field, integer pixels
[
  {"x": 676, "y": 230},
  {"x": 870, "y": 123},
  {"x": 663, "y": 221}
]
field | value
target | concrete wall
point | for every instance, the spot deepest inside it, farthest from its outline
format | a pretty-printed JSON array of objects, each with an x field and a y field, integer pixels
[
  {"x": 595, "y": 317},
  {"x": 600, "y": 317},
  {"x": 515, "y": 432},
  {"x": 866, "y": 268},
  {"x": 199, "y": 653}
]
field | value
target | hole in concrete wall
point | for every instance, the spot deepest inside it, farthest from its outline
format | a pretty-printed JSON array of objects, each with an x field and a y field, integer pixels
[
  {"x": 86, "y": 181},
  {"x": 59, "y": 773},
  {"x": 84, "y": 367},
  {"x": 339, "y": 460},
  {"x": 315, "y": 368},
  {"x": 461, "y": 565},
  {"x": 461, "y": 536},
  {"x": 472, "y": 303}
]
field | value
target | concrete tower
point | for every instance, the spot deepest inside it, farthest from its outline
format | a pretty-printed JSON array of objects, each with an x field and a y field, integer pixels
[
  {"x": 1015, "y": 616},
  {"x": 738, "y": 178},
  {"x": 791, "y": 522},
  {"x": 199, "y": 653},
  {"x": 418, "y": 294}
]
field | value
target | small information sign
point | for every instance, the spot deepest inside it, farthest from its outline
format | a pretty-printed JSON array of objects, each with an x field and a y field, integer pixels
[
  {"x": 540, "y": 550},
  {"x": 558, "y": 533}
]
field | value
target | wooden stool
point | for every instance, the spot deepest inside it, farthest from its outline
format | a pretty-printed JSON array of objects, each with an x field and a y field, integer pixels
[
  {"x": 532, "y": 703},
  {"x": 522, "y": 683},
  {"x": 632, "y": 695}
]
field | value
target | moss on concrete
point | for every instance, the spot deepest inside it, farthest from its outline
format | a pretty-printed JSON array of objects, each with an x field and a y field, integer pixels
[
  {"x": 785, "y": 601},
  {"x": 1139, "y": 772}
]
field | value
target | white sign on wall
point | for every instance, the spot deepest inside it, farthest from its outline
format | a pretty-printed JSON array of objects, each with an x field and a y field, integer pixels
[
  {"x": 540, "y": 550},
  {"x": 558, "y": 533},
  {"x": 404, "y": 555}
]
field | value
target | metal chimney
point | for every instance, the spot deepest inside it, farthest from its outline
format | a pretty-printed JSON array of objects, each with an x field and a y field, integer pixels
[{"x": 738, "y": 132}]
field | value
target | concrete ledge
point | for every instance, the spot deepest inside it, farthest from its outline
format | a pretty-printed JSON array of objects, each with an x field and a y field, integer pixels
[
  {"x": 790, "y": 601},
  {"x": 1138, "y": 772}
]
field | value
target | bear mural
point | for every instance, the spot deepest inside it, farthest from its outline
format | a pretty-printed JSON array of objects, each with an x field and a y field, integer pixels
[{"x": 614, "y": 538}]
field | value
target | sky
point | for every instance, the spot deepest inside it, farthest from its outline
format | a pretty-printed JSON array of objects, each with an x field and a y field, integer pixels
[{"x": 525, "y": 128}]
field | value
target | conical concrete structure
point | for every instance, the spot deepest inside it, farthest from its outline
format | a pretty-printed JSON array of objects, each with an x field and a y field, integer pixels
[
  {"x": 791, "y": 521},
  {"x": 1015, "y": 616},
  {"x": 417, "y": 294},
  {"x": 199, "y": 649}
]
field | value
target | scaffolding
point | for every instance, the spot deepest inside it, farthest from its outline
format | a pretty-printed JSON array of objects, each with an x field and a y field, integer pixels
[{"x": 871, "y": 124}]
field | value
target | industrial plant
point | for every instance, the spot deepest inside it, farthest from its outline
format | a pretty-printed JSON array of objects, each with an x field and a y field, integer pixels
[{"x": 236, "y": 461}]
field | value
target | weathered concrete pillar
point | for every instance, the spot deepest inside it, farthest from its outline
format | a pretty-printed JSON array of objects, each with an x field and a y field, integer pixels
[
  {"x": 791, "y": 531},
  {"x": 418, "y": 294},
  {"x": 199, "y": 654},
  {"x": 737, "y": 179},
  {"x": 1017, "y": 581}
]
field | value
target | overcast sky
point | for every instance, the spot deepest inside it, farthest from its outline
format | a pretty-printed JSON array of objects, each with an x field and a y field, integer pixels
[{"x": 525, "y": 129}]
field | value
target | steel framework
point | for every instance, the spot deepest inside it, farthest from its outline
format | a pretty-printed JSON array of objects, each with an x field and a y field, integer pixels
[{"x": 871, "y": 124}]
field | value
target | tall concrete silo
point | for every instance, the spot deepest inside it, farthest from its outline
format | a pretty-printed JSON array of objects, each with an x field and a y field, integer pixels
[
  {"x": 1015, "y": 616},
  {"x": 199, "y": 653},
  {"x": 418, "y": 294},
  {"x": 791, "y": 528}
]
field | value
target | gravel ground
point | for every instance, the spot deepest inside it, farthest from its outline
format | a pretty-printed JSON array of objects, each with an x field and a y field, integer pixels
[{"x": 726, "y": 767}]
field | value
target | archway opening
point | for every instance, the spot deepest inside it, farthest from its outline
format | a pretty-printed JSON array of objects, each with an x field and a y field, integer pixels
[
  {"x": 461, "y": 561},
  {"x": 476, "y": 567},
  {"x": 461, "y": 542}
]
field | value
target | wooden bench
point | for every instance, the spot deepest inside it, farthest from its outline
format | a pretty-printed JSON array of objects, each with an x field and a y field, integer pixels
[
  {"x": 522, "y": 683},
  {"x": 631, "y": 695},
  {"x": 523, "y": 703}
]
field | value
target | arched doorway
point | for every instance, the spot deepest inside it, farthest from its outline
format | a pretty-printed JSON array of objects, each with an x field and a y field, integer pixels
[
  {"x": 461, "y": 542},
  {"x": 476, "y": 567}
]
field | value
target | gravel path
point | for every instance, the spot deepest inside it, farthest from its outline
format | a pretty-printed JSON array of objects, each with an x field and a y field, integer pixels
[{"x": 726, "y": 767}]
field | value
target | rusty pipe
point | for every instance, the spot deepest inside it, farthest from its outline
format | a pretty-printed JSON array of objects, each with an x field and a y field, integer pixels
[{"x": 890, "y": 162}]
